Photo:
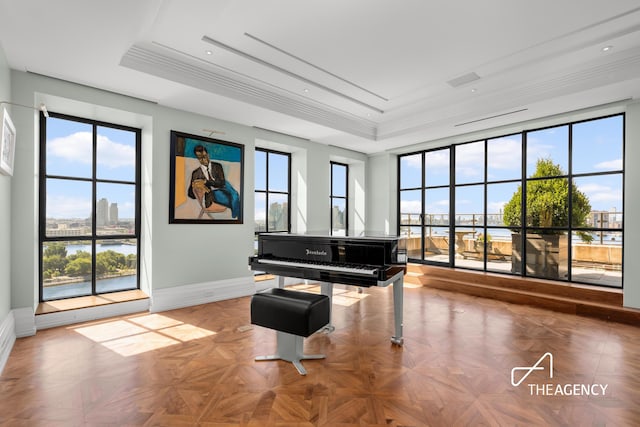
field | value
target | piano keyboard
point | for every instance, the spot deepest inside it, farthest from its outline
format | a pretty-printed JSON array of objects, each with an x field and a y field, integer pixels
[{"x": 321, "y": 266}]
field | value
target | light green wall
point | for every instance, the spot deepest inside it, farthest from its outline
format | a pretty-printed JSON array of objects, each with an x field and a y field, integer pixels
[
  {"x": 5, "y": 203},
  {"x": 173, "y": 255},
  {"x": 381, "y": 189},
  {"x": 631, "y": 206}
]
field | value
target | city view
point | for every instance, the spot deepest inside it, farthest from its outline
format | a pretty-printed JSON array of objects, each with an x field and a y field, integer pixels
[
  {"x": 67, "y": 265},
  {"x": 90, "y": 176},
  {"x": 277, "y": 219}
]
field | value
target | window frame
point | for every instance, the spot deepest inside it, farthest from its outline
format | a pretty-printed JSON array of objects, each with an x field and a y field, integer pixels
[
  {"x": 267, "y": 192},
  {"x": 524, "y": 179},
  {"x": 94, "y": 236},
  {"x": 333, "y": 197}
]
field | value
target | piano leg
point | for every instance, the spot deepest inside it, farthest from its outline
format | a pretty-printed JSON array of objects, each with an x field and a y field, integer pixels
[
  {"x": 397, "y": 310},
  {"x": 281, "y": 282},
  {"x": 326, "y": 288}
]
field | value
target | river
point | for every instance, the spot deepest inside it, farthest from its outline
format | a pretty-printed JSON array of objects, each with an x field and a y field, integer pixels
[{"x": 103, "y": 285}]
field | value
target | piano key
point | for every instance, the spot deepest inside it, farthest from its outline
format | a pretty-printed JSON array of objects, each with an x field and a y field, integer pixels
[{"x": 320, "y": 266}]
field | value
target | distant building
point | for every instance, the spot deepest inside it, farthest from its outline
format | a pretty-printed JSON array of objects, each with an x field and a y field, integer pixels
[
  {"x": 102, "y": 212},
  {"x": 113, "y": 214}
]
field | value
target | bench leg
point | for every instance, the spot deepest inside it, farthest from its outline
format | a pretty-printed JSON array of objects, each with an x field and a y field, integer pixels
[{"x": 290, "y": 349}]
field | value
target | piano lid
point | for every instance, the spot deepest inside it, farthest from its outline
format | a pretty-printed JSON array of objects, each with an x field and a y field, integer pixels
[{"x": 367, "y": 234}]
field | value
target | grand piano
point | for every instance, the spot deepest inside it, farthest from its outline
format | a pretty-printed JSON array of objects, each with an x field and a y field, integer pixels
[{"x": 365, "y": 259}]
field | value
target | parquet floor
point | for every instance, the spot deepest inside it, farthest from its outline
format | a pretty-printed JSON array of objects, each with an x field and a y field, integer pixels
[{"x": 195, "y": 367}]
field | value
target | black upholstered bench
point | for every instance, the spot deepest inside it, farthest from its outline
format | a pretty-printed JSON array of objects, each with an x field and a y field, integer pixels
[{"x": 294, "y": 315}]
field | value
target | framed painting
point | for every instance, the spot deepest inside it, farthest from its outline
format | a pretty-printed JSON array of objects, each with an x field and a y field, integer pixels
[
  {"x": 7, "y": 144},
  {"x": 207, "y": 180}
]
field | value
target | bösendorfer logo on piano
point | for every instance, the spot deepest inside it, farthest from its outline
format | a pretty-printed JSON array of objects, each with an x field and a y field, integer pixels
[{"x": 316, "y": 252}]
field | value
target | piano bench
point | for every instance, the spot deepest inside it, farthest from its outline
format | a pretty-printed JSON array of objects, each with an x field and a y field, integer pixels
[{"x": 293, "y": 315}]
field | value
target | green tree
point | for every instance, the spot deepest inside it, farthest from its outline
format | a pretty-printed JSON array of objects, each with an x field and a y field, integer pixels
[
  {"x": 53, "y": 265},
  {"x": 80, "y": 254},
  {"x": 114, "y": 259},
  {"x": 81, "y": 266},
  {"x": 132, "y": 261},
  {"x": 547, "y": 203},
  {"x": 55, "y": 248},
  {"x": 54, "y": 259}
]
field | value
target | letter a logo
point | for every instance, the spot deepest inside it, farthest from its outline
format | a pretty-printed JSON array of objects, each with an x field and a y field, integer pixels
[{"x": 529, "y": 369}]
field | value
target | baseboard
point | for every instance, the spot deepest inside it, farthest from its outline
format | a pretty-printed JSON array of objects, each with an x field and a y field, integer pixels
[
  {"x": 25, "y": 322},
  {"x": 201, "y": 293},
  {"x": 68, "y": 317},
  {"x": 7, "y": 339}
]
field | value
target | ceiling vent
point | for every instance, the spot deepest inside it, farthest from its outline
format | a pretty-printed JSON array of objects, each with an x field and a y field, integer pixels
[{"x": 462, "y": 80}]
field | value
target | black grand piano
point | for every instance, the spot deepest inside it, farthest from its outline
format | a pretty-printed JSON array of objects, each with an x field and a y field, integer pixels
[{"x": 366, "y": 259}]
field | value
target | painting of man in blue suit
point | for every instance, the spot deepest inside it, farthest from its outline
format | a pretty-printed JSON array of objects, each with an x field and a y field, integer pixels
[
  {"x": 206, "y": 180},
  {"x": 209, "y": 186}
]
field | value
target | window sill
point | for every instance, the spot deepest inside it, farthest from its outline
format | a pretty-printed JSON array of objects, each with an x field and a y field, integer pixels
[{"x": 89, "y": 301}]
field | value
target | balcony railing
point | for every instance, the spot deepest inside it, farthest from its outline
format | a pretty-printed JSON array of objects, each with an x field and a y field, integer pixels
[{"x": 596, "y": 220}]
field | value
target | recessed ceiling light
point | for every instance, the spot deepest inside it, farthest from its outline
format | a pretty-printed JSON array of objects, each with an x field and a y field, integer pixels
[
  {"x": 607, "y": 48},
  {"x": 208, "y": 52},
  {"x": 473, "y": 90},
  {"x": 305, "y": 90}
]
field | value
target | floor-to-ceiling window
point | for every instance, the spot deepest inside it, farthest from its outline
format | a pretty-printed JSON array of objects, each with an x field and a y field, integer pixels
[
  {"x": 272, "y": 191},
  {"x": 425, "y": 190},
  {"x": 89, "y": 207},
  {"x": 339, "y": 200},
  {"x": 543, "y": 203}
]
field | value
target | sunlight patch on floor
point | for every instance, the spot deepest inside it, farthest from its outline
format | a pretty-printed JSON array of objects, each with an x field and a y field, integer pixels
[{"x": 139, "y": 334}]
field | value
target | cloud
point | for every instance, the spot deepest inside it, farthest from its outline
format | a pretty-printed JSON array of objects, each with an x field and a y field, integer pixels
[
  {"x": 504, "y": 154},
  {"x": 610, "y": 165},
  {"x": 76, "y": 148},
  {"x": 114, "y": 155},
  {"x": 414, "y": 161},
  {"x": 495, "y": 207},
  {"x": 601, "y": 196},
  {"x": 470, "y": 162},
  {"x": 410, "y": 206},
  {"x": 68, "y": 206},
  {"x": 438, "y": 207},
  {"x": 438, "y": 159}
]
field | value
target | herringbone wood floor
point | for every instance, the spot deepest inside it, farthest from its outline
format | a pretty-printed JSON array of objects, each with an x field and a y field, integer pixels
[{"x": 195, "y": 367}]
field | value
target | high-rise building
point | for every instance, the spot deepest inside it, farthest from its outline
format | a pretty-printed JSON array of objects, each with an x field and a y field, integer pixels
[
  {"x": 113, "y": 214},
  {"x": 102, "y": 212}
]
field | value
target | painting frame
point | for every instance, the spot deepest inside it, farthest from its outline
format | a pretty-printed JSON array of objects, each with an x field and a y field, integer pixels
[
  {"x": 206, "y": 180},
  {"x": 7, "y": 144}
]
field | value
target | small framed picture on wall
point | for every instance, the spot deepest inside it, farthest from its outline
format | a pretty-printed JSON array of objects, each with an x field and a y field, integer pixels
[{"x": 7, "y": 144}]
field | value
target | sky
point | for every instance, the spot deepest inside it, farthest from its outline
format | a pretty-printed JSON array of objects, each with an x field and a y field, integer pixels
[
  {"x": 597, "y": 147},
  {"x": 69, "y": 153}
]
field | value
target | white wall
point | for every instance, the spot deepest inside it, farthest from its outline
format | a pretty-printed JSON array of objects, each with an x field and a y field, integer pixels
[
  {"x": 5, "y": 202},
  {"x": 7, "y": 323},
  {"x": 631, "y": 253}
]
